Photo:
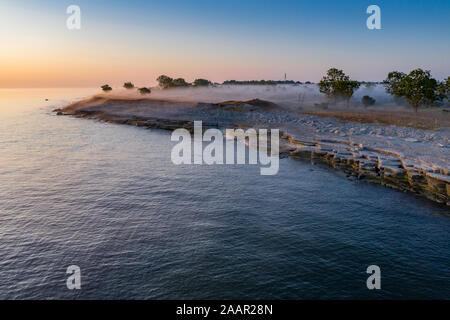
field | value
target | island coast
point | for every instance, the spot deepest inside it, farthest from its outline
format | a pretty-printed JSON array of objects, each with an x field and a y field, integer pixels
[{"x": 412, "y": 156}]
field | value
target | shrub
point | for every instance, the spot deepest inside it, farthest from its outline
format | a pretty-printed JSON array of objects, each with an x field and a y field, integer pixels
[
  {"x": 367, "y": 101},
  {"x": 144, "y": 90},
  {"x": 128, "y": 85},
  {"x": 106, "y": 87}
]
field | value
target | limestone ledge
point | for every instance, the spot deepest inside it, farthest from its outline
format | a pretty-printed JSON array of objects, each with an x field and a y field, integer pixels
[{"x": 375, "y": 165}]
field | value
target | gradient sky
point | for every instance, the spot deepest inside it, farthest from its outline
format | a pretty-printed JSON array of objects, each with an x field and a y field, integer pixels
[{"x": 217, "y": 40}]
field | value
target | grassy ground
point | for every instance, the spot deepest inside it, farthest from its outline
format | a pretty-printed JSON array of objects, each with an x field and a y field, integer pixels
[{"x": 429, "y": 119}]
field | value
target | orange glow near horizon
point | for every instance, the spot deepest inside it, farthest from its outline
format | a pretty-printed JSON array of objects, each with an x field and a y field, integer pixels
[{"x": 124, "y": 42}]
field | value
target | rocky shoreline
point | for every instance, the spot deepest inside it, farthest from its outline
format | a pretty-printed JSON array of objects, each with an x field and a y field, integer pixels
[
  {"x": 376, "y": 166},
  {"x": 363, "y": 162}
]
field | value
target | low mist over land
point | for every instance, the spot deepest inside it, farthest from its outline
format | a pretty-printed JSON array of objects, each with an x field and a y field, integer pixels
[{"x": 301, "y": 97}]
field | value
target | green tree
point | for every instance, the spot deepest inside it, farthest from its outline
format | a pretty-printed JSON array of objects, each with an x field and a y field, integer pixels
[
  {"x": 165, "y": 81},
  {"x": 180, "y": 82},
  {"x": 337, "y": 85},
  {"x": 418, "y": 87},
  {"x": 144, "y": 90},
  {"x": 128, "y": 85},
  {"x": 106, "y": 87},
  {"x": 393, "y": 83},
  {"x": 201, "y": 82},
  {"x": 444, "y": 89}
]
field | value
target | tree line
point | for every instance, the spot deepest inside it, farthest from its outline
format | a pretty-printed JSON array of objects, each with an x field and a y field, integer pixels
[
  {"x": 262, "y": 82},
  {"x": 166, "y": 82},
  {"x": 417, "y": 88}
]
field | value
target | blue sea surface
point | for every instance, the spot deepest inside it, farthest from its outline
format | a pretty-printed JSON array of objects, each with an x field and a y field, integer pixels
[{"x": 107, "y": 198}]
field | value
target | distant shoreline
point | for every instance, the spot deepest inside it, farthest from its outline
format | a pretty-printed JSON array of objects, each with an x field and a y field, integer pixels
[{"x": 362, "y": 156}]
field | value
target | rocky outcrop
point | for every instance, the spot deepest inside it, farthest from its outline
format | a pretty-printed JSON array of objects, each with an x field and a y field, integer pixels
[{"x": 374, "y": 165}]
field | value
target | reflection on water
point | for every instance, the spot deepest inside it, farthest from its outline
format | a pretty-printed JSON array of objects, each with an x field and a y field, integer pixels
[{"x": 108, "y": 198}]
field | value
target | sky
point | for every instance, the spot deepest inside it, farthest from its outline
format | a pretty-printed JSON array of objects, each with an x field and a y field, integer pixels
[{"x": 218, "y": 40}]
